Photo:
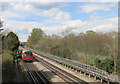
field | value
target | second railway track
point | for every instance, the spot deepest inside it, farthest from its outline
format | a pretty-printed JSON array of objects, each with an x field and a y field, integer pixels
[{"x": 72, "y": 79}]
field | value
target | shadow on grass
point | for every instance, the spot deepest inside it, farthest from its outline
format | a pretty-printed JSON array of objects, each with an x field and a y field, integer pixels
[{"x": 8, "y": 72}]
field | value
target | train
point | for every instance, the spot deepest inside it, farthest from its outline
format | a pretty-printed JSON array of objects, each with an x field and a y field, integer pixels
[{"x": 25, "y": 55}]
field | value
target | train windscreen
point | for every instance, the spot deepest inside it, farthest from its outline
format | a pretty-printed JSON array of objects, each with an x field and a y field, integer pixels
[{"x": 28, "y": 54}]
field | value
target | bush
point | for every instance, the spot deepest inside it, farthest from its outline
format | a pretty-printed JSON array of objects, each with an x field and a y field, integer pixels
[
  {"x": 7, "y": 55},
  {"x": 106, "y": 64}
]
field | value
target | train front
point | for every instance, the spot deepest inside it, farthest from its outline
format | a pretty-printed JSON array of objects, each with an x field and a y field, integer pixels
[{"x": 27, "y": 56}]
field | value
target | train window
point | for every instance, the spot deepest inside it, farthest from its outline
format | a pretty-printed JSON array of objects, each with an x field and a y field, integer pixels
[
  {"x": 21, "y": 51},
  {"x": 28, "y": 54}
]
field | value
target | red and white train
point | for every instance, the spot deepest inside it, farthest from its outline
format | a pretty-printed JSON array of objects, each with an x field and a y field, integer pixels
[{"x": 26, "y": 55}]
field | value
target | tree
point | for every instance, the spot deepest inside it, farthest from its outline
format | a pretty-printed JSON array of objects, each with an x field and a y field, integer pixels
[
  {"x": 89, "y": 32},
  {"x": 35, "y": 36},
  {"x": 1, "y": 23},
  {"x": 11, "y": 41}
]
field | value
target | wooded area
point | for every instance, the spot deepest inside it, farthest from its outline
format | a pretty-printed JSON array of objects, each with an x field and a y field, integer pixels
[
  {"x": 94, "y": 48},
  {"x": 10, "y": 43}
]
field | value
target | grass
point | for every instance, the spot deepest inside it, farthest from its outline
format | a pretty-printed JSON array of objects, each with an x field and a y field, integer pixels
[
  {"x": 7, "y": 66},
  {"x": 90, "y": 59}
]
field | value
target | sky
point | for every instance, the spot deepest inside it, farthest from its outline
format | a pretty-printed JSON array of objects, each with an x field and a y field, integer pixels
[{"x": 55, "y": 17}]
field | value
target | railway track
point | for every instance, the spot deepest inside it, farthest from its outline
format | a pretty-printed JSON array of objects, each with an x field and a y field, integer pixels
[
  {"x": 63, "y": 74},
  {"x": 36, "y": 76}
]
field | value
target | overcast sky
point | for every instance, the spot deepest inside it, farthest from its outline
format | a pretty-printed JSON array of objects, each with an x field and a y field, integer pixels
[{"x": 54, "y": 17}]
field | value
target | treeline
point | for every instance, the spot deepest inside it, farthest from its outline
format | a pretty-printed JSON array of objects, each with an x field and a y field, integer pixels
[{"x": 93, "y": 48}]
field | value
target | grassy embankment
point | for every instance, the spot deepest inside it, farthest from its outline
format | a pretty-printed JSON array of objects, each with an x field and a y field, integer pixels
[
  {"x": 88, "y": 58},
  {"x": 7, "y": 66}
]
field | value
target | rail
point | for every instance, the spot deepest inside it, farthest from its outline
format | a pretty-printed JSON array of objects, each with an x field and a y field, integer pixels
[{"x": 65, "y": 74}]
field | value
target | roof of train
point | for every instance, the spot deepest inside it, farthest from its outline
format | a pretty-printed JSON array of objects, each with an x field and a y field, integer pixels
[{"x": 24, "y": 50}]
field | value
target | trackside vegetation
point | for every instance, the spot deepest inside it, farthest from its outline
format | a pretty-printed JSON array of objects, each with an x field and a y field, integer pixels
[
  {"x": 7, "y": 66},
  {"x": 97, "y": 49},
  {"x": 10, "y": 43}
]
